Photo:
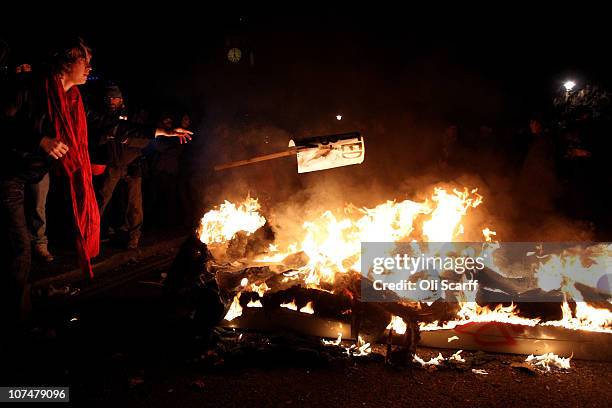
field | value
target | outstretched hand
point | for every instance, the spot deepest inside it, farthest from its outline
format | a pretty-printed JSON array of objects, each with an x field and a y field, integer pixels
[{"x": 183, "y": 135}]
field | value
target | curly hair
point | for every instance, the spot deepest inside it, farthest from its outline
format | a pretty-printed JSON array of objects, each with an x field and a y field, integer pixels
[{"x": 67, "y": 53}]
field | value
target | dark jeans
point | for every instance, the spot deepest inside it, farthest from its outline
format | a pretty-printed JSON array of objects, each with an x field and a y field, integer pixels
[
  {"x": 15, "y": 253},
  {"x": 37, "y": 211},
  {"x": 133, "y": 212}
]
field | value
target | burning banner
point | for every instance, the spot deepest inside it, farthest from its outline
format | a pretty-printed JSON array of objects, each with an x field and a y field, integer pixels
[{"x": 315, "y": 153}]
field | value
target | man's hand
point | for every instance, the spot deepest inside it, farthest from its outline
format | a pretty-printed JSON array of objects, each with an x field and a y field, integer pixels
[
  {"x": 53, "y": 147},
  {"x": 184, "y": 135}
]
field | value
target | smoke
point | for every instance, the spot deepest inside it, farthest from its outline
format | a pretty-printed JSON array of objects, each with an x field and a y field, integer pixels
[{"x": 295, "y": 90}]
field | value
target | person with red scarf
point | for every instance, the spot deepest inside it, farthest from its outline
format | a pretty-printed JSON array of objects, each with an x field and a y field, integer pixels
[{"x": 43, "y": 124}]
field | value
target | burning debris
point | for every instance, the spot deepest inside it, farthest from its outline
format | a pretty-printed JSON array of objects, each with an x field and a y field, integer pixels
[
  {"x": 220, "y": 226},
  {"x": 235, "y": 309},
  {"x": 307, "y": 309},
  {"x": 334, "y": 342},
  {"x": 434, "y": 361},
  {"x": 455, "y": 360},
  {"x": 291, "y": 305},
  {"x": 361, "y": 348},
  {"x": 322, "y": 268},
  {"x": 397, "y": 324},
  {"x": 548, "y": 361},
  {"x": 256, "y": 303},
  {"x": 457, "y": 357}
]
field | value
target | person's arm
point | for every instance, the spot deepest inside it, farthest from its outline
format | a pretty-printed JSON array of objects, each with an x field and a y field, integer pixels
[
  {"x": 12, "y": 101},
  {"x": 128, "y": 130},
  {"x": 183, "y": 135},
  {"x": 30, "y": 131}
]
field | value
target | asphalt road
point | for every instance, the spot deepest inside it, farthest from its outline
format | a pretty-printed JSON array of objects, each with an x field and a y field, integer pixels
[{"x": 123, "y": 347}]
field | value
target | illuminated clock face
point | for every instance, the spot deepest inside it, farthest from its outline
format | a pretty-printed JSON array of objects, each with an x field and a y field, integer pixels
[{"x": 234, "y": 55}]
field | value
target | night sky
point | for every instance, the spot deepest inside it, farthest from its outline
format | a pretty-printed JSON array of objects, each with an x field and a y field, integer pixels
[
  {"x": 399, "y": 77},
  {"x": 492, "y": 67}
]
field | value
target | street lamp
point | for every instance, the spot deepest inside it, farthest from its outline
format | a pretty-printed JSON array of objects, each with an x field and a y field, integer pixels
[
  {"x": 569, "y": 85},
  {"x": 338, "y": 117}
]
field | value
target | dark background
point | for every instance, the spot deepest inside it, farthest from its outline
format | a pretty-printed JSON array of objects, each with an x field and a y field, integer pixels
[
  {"x": 400, "y": 76},
  {"x": 487, "y": 67}
]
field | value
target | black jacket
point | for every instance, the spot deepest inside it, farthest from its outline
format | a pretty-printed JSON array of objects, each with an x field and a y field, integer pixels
[
  {"x": 114, "y": 140},
  {"x": 24, "y": 120}
]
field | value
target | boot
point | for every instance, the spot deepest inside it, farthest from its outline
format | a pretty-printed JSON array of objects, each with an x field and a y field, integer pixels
[{"x": 132, "y": 242}]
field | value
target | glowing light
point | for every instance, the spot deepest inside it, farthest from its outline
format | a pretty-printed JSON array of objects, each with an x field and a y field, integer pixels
[
  {"x": 333, "y": 342},
  {"x": 569, "y": 85},
  {"x": 290, "y": 306},
  {"x": 256, "y": 303},
  {"x": 548, "y": 360},
  {"x": 235, "y": 309},
  {"x": 397, "y": 324},
  {"x": 434, "y": 361},
  {"x": 308, "y": 309},
  {"x": 330, "y": 243},
  {"x": 360, "y": 349},
  {"x": 219, "y": 226}
]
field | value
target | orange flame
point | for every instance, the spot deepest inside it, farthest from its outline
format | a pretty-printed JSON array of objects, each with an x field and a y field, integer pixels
[
  {"x": 398, "y": 325},
  {"x": 331, "y": 244},
  {"x": 220, "y": 226}
]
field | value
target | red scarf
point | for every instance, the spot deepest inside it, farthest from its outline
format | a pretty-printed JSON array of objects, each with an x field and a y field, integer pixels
[{"x": 69, "y": 121}]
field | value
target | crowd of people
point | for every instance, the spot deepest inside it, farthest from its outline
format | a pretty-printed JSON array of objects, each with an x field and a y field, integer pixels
[
  {"x": 87, "y": 146},
  {"x": 555, "y": 160},
  {"x": 56, "y": 139}
]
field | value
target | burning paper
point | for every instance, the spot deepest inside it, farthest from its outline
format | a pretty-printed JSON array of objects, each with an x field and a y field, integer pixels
[
  {"x": 360, "y": 349},
  {"x": 290, "y": 306},
  {"x": 256, "y": 303},
  {"x": 235, "y": 309},
  {"x": 308, "y": 309},
  {"x": 457, "y": 357},
  {"x": 549, "y": 360},
  {"x": 333, "y": 342},
  {"x": 397, "y": 324},
  {"x": 434, "y": 361},
  {"x": 260, "y": 289},
  {"x": 219, "y": 226}
]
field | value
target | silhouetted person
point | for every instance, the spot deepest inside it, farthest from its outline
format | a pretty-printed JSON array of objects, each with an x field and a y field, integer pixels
[
  {"x": 121, "y": 142},
  {"x": 36, "y": 194},
  {"x": 538, "y": 185},
  {"x": 171, "y": 175}
]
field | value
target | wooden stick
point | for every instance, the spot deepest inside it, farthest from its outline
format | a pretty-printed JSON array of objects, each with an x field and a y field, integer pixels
[{"x": 257, "y": 159}]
